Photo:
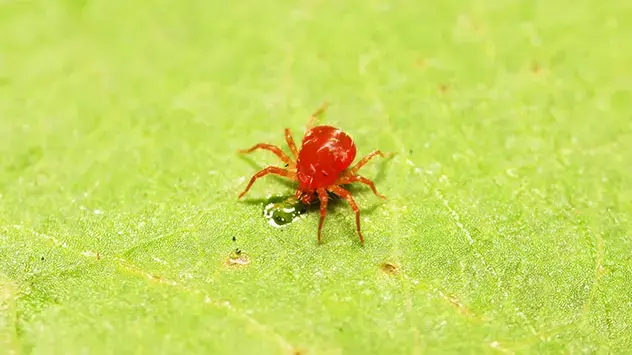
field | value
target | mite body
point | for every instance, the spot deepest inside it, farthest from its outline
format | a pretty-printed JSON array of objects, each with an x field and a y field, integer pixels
[{"x": 320, "y": 167}]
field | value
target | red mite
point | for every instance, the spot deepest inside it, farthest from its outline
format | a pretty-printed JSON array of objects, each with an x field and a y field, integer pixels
[{"x": 320, "y": 167}]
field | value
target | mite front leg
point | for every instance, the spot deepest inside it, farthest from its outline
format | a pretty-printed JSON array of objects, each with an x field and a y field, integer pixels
[
  {"x": 274, "y": 149},
  {"x": 314, "y": 117},
  {"x": 269, "y": 170},
  {"x": 290, "y": 143},
  {"x": 347, "y": 196},
  {"x": 322, "y": 195}
]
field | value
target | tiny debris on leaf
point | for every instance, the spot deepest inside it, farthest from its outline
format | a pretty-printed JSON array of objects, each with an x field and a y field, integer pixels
[
  {"x": 389, "y": 268},
  {"x": 238, "y": 258}
]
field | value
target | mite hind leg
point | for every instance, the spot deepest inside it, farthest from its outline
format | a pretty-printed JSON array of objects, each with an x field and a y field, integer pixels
[
  {"x": 324, "y": 198},
  {"x": 347, "y": 196},
  {"x": 361, "y": 179},
  {"x": 365, "y": 160}
]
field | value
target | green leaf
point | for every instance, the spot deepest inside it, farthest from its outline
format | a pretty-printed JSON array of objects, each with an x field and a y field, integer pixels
[{"x": 507, "y": 221}]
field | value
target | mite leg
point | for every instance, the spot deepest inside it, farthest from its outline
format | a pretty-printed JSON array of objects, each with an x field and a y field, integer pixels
[
  {"x": 314, "y": 117},
  {"x": 305, "y": 197},
  {"x": 365, "y": 160},
  {"x": 274, "y": 149},
  {"x": 269, "y": 170},
  {"x": 347, "y": 196},
  {"x": 322, "y": 196},
  {"x": 290, "y": 143},
  {"x": 357, "y": 178}
]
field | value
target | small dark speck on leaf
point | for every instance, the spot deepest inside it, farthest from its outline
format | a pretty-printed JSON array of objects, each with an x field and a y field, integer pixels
[
  {"x": 234, "y": 239},
  {"x": 42, "y": 258},
  {"x": 238, "y": 251},
  {"x": 286, "y": 165},
  {"x": 389, "y": 268}
]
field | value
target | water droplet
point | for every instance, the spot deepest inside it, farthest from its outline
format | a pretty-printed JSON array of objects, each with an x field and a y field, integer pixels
[{"x": 283, "y": 212}]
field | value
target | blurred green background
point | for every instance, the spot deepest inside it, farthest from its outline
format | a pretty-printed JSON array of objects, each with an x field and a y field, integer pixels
[{"x": 507, "y": 224}]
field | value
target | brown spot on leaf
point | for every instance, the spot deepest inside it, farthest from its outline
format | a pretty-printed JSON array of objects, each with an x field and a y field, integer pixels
[
  {"x": 443, "y": 89},
  {"x": 457, "y": 303},
  {"x": 421, "y": 63},
  {"x": 389, "y": 268},
  {"x": 238, "y": 258}
]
